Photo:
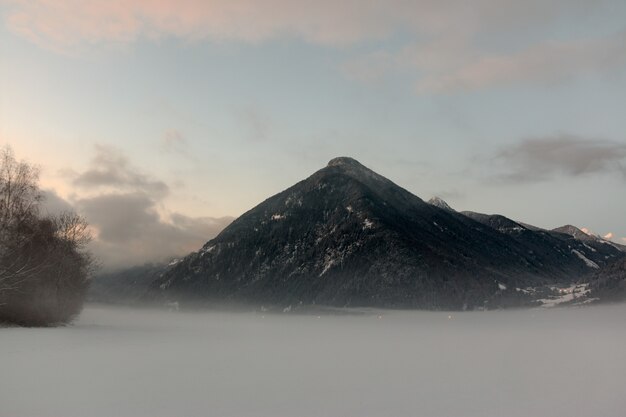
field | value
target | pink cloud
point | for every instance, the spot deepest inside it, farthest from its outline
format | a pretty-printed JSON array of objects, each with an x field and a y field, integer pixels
[
  {"x": 450, "y": 61},
  {"x": 444, "y": 55},
  {"x": 63, "y": 23},
  {"x": 548, "y": 62}
]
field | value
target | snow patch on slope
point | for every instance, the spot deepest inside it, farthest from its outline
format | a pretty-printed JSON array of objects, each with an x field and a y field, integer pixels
[{"x": 587, "y": 261}]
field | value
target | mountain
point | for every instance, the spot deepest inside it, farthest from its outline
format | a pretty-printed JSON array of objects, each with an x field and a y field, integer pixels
[
  {"x": 589, "y": 239},
  {"x": 125, "y": 286},
  {"x": 609, "y": 284},
  {"x": 556, "y": 251},
  {"x": 347, "y": 236}
]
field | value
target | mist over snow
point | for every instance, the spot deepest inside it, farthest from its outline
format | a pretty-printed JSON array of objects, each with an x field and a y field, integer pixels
[{"x": 124, "y": 362}]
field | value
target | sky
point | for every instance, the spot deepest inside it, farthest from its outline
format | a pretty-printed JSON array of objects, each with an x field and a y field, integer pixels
[{"x": 160, "y": 120}]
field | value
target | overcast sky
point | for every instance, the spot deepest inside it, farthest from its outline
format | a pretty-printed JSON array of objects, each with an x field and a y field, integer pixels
[{"x": 159, "y": 120}]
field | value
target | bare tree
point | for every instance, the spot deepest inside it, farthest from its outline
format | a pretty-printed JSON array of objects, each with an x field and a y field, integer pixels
[
  {"x": 19, "y": 206},
  {"x": 44, "y": 264}
]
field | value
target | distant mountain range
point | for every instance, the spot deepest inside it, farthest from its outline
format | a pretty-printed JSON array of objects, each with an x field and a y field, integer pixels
[
  {"x": 125, "y": 286},
  {"x": 347, "y": 236}
]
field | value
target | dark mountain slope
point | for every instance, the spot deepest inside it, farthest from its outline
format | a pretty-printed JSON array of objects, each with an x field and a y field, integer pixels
[
  {"x": 609, "y": 284},
  {"x": 557, "y": 252},
  {"x": 348, "y": 236}
]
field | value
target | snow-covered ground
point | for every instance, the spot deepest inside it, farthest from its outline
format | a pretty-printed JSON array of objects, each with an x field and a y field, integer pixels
[
  {"x": 563, "y": 295},
  {"x": 123, "y": 362}
]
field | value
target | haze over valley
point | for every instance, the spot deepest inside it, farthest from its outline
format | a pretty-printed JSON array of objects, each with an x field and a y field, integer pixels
[{"x": 120, "y": 361}]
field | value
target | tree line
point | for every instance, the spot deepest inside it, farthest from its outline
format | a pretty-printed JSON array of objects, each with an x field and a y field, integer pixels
[{"x": 44, "y": 262}]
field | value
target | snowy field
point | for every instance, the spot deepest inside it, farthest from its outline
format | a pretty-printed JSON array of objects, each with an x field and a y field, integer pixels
[{"x": 121, "y": 362}]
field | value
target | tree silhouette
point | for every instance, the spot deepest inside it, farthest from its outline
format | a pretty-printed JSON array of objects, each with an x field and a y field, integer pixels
[{"x": 44, "y": 264}]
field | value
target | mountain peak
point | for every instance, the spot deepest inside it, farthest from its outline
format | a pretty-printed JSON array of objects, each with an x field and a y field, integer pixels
[
  {"x": 579, "y": 233},
  {"x": 572, "y": 231},
  {"x": 353, "y": 168},
  {"x": 344, "y": 161},
  {"x": 441, "y": 203}
]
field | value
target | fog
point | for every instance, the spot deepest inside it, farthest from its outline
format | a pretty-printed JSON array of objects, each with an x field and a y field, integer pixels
[{"x": 132, "y": 362}]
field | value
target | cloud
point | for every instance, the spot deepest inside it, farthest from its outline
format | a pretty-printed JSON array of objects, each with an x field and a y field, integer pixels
[
  {"x": 546, "y": 63},
  {"x": 442, "y": 48},
  {"x": 110, "y": 169},
  {"x": 59, "y": 25},
  {"x": 119, "y": 217},
  {"x": 613, "y": 238},
  {"x": 130, "y": 230},
  {"x": 449, "y": 65},
  {"x": 126, "y": 210},
  {"x": 542, "y": 158},
  {"x": 53, "y": 204},
  {"x": 328, "y": 22}
]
